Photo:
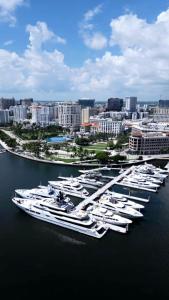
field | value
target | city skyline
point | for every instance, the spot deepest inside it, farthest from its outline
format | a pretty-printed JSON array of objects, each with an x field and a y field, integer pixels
[{"x": 57, "y": 51}]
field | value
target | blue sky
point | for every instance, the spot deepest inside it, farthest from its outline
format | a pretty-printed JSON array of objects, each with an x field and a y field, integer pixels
[{"x": 79, "y": 54}]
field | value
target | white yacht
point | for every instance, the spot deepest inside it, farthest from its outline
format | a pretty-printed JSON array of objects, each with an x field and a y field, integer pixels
[
  {"x": 70, "y": 187},
  {"x": 120, "y": 208},
  {"x": 106, "y": 215},
  {"x": 151, "y": 172},
  {"x": 116, "y": 197},
  {"x": 44, "y": 192},
  {"x": 148, "y": 177},
  {"x": 140, "y": 182},
  {"x": 159, "y": 170},
  {"x": 84, "y": 180},
  {"x": 91, "y": 181},
  {"x": 49, "y": 210}
]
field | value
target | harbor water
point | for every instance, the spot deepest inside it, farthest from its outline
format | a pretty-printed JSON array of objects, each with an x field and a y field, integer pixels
[{"x": 37, "y": 257}]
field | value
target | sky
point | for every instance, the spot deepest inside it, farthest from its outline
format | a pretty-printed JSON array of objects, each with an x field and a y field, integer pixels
[{"x": 66, "y": 50}]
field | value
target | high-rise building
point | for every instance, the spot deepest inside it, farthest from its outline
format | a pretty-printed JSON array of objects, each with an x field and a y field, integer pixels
[
  {"x": 131, "y": 103},
  {"x": 114, "y": 104},
  {"x": 86, "y": 102},
  {"x": 40, "y": 115},
  {"x": 69, "y": 114},
  {"x": 20, "y": 113},
  {"x": 163, "y": 103},
  {"x": 26, "y": 101},
  {"x": 85, "y": 115},
  {"x": 4, "y": 116},
  {"x": 6, "y": 103}
]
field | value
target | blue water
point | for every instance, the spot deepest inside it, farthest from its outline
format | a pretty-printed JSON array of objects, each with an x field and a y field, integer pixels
[{"x": 58, "y": 139}]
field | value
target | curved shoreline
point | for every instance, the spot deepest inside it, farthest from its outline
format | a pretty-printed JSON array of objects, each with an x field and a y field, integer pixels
[{"x": 116, "y": 166}]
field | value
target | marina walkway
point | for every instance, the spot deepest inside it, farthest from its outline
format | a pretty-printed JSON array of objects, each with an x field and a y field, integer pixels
[{"x": 104, "y": 188}]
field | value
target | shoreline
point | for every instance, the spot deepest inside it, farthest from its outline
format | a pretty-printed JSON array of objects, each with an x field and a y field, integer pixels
[{"x": 116, "y": 166}]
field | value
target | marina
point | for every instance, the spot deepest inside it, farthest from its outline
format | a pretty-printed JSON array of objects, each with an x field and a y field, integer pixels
[
  {"x": 43, "y": 247},
  {"x": 107, "y": 209}
]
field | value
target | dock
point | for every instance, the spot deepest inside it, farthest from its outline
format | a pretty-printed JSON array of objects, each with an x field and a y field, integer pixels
[{"x": 103, "y": 189}]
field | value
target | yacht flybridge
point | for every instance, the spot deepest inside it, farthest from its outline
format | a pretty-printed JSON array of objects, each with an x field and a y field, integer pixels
[{"x": 50, "y": 211}]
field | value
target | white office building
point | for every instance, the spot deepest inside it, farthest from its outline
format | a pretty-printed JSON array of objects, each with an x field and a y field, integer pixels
[
  {"x": 20, "y": 113},
  {"x": 131, "y": 103},
  {"x": 4, "y": 116},
  {"x": 106, "y": 125},
  {"x": 69, "y": 115}
]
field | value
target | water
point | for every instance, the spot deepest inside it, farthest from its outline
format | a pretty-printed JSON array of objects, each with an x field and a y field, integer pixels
[
  {"x": 43, "y": 259},
  {"x": 58, "y": 139}
]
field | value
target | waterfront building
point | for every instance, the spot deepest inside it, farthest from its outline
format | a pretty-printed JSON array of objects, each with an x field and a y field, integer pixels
[
  {"x": 84, "y": 102},
  {"x": 4, "y": 116},
  {"x": 114, "y": 104},
  {"x": 20, "y": 113},
  {"x": 5, "y": 103},
  {"x": 130, "y": 104},
  {"x": 147, "y": 143},
  {"x": 69, "y": 115}
]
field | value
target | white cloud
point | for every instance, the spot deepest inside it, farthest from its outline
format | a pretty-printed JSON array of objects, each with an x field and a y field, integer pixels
[
  {"x": 90, "y": 14},
  {"x": 40, "y": 34},
  {"x": 8, "y": 43},
  {"x": 140, "y": 69},
  {"x": 95, "y": 41},
  {"x": 7, "y": 10},
  {"x": 91, "y": 38}
]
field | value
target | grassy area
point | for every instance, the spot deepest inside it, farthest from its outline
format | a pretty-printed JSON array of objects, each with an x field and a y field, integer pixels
[
  {"x": 97, "y": 147},
  {"x": 67, "y": 160}
]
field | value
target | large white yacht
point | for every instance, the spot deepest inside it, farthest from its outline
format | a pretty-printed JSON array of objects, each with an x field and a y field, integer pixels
[
  {"x": 50, "y": 211},
  {"x": 106, "y": 215},
  {"x": 151, "y": 172},
  {"x": 140, "y": 182},
  {"x": 159, "y": 170},
  {"x": 44, "y": 192},
  {"x": 120, "y": 208},
  {"x": 148, "y": 177},
  {"x": 117, "y": 197},
  {"x": 85, "y": 181},
  {"x": 70, "y": 187}
]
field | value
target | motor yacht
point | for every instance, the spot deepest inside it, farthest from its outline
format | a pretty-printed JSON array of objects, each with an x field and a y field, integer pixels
[
  {"x": 120, "y": 208},
  {"x": 44, "y": 192},
  {"x": 70, "y": 187},
  {"x": 140, "y": 182},
  {"x": 47, "y": 210},
  {"x": 116, "y": 197},
  {"x": 106, "y": 215},
  {"x": 148, "y": 177}
]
